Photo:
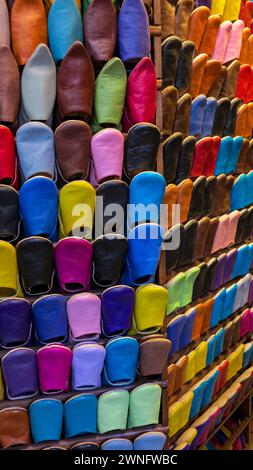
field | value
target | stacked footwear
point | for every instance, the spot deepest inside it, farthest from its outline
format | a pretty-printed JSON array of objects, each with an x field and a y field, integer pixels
[{"x": 207, "y": 133}]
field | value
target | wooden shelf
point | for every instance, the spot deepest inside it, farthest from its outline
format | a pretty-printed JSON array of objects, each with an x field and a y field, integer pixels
[
  {"x": 179, "y": 311},
  {"x": 98, "y": 438},
  {"x": 64, "y": 396},
  {"x": 241, "y": 428},
  {"x": 236, "y": 434}
]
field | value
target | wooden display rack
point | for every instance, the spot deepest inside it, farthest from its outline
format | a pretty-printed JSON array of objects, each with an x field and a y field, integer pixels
[{"x": 97, "y": 438}]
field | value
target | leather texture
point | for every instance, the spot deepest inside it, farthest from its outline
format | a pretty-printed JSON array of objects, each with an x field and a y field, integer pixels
[
  {"x": 171, "y": 48},
  {"x": 231, "y": 82},
  {"x": 155, "y": 311},
  {"x": 105, "y": 162},
  {"x": 36, "y": 152},
  {"x": 5, "y": 24},
  {"x": 117, "y": 305},
  {"x": 9, "y": 86},
  {"x": 184, "y": 196},
  {"x": 184, "y": 69},
  {"x": 197, "y": 115},
  {"x": 153, "y": 354},
  {"x": 112, "y": 411},
  {"x": 210, "y": 35},
  {"x": 171, "y": 155},
  {"x": 64, "y": 27},
  {"x": 122, "y": 355},
  {"x": 183, "y": 12},
  {"x": 15, "y": 322},
  {"x": 136, "y": 272},
  {"x": 14, "y": 426},
  {"x": 109, "y": 255},
  {"x": 19, "y": 370},
  {"x": 50, "y": 319},
  {"x": 146, "y": 188},
  {"x": 141, "y": 149},
  {"x": 174, "y": 331},
  {"x": 185, "y": 159},
  {"x": 73, "y": 264},
  {"x": 133, "y": 22},
  {"x": 182, "y": 118},
  {"x": 9, "y": 283},
  {"x": 83, "y": 325},
  {"x": 9, "y": 214},
  {"x": 173, "y": 237},
  {"x": 80, "y": 413},
  {"x": 150, "y": 441},
  {"x": 188, "y": 243},
  {"x": 54, "y": 364},
  {"x": 73, "y": 137},
  {"x": 140, "y": 103},
  {"x": 169, "y": 102},
  {"x": 197, "y": 199},
  {"x": 100, "y": 30},
  {"x": 117, "y": 444},
  {"x": 144, "y": 405},
  {"x": 197, "y": 25},
  {"x": 40, "y": 218},
  {"x": 75, "y": 93},
  {"x": 27, "y": 34},
  {"x": 38, "y": 86},
  {"x": 76, "y": 199},
  {"x": 46, "y": 419},
  {"x": 35, "y": 257},
  {"x": 87, "y": 365},
  {"x": 107, "y": 194},
  {"x": 110, "y": 92}
]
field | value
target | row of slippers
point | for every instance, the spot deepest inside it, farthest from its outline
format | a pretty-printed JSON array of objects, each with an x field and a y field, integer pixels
[
  {"x": 188, "y": 366},
  {"x": 204, "y": 117},
  {"x": 77, "y": 261},
  {"x": 88, "y": 366},
  {"x": 114, "y": 95},
  {"x": 209, "y": 350},
  {"x": 185, "y": 158},
  {"x": 202, "y": 394},
  {"x": 12, "y": 437},
  {"x": 196, "y": 282},
  {"x": 124, "y": 264},
  {"x": 210, "y": 197},
  {"x": 195, "y": 400},
  {"x": 233, "y": 81},
  {"x": 197, "y": 434},
  {"x": 65, "y": 25},
  {"x": 227, "y": 42},
  {"x": 196, "y": 321},
  {"x": 80, "y": 196},
  {"x": 192, "y": 242},
  {"x": 106, "y": 155},
  {"x": 198, "y": 74},
  {"x": 83, "y": 317},
  {"x": 37, "y": 258},
  {"x": 173, "y": 204},
  {"x": 201, "y": 24},
  {"x": 83, "y": 414}
]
